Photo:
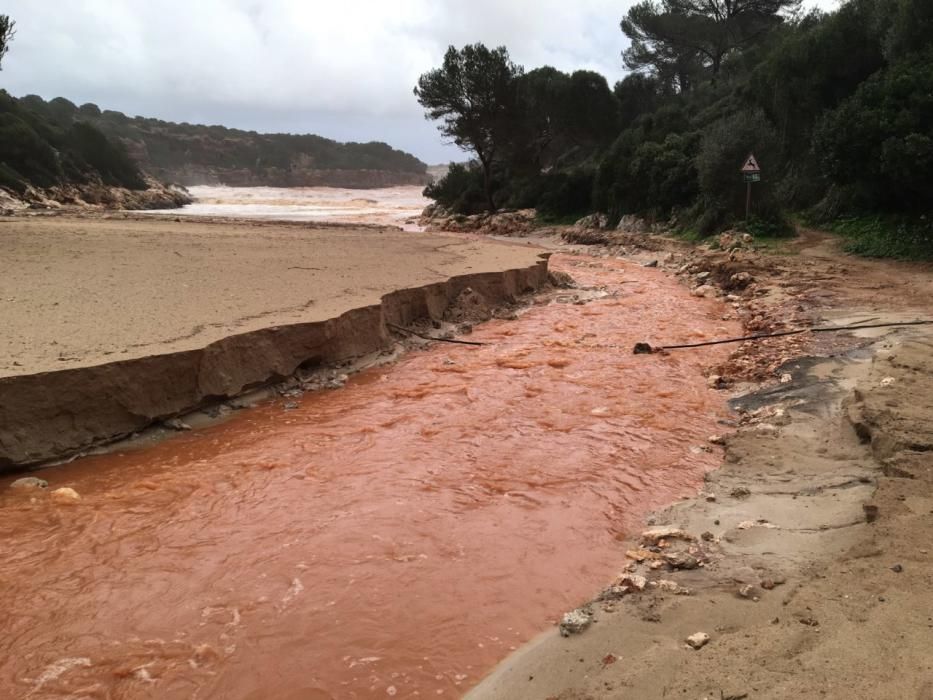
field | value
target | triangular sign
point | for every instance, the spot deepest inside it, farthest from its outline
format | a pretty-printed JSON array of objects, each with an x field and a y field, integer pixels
[{"x": 751, "y": 165}]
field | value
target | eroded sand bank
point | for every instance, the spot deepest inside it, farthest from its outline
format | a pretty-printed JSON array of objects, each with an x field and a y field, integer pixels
[{"x": 112, "y": 324}]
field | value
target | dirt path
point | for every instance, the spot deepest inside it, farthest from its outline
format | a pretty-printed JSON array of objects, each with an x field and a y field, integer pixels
[{"x": 807, "y": 556}]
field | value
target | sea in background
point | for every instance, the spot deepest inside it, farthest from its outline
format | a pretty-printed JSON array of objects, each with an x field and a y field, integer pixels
[{"x": 388, "y": 206}]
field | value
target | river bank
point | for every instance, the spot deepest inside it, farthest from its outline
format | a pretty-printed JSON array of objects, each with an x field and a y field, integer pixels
[
  {"x": 803, "y": 565},
  {"x": 115, "y": 323},
  {"x": 397, "y": 536}
]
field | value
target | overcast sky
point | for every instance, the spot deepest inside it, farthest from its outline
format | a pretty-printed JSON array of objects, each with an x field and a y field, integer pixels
[{"x": 343, "y": 69}]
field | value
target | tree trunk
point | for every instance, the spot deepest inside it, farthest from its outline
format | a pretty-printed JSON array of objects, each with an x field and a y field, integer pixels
[{"x": 487, "y": 185}]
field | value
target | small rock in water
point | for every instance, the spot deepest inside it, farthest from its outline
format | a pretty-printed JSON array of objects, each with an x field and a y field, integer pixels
[
  {"x": 575, "y": 621},
  {"x": 29, "y": 482},
  {"x": 65, "y": 495},
  {"x": 698, "y": 640}
]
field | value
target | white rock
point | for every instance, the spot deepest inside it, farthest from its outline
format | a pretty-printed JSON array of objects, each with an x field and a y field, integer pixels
[
  {"x": 786, "y": 378},
  {"x": 657, "y": 534},
  {"x": 698, "y": 640},
  {"x": 887, "y": 381},
  {"x": 633, "y": 581},
  {"x": 65, "y": 495},
  {"x": 575, "y": 622}
]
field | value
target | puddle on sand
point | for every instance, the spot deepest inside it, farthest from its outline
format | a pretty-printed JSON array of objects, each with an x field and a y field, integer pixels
[{"x": 397, "y": 537}]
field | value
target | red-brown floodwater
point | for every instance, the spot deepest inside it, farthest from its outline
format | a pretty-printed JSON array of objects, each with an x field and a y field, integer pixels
[{"x": 396, "y": 537}]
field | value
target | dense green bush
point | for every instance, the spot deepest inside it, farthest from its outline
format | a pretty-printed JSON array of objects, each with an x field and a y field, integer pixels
[
  {"x": 878, "y": 144},
  {"x": 460, "y": 190},
  {"x": 41, "y": 144}
]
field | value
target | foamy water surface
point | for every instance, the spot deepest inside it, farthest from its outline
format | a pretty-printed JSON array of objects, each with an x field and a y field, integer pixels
[{"x": 390, "y": 206}]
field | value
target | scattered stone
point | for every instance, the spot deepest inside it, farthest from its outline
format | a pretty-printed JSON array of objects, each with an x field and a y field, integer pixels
[
  {"x": 705, "y": 291},
  {"x": 747, "y": 591},
  {"x": 609, "y": 659},
  {"x": 767, "y": 584},
  {"x": 897, "y": 568},
  {"x": 642, "y": 349},
  {"x": 715, "y": 381},
  {"x": 575, "y": 622},
  {"x": 65, "y": 495},
  {"x": 707, "y": 536},
  {"x": 177, "y": 424},
  {"x": 698, "y": 640},
  {"x": 748, "y": 524},
  {"x": 29, "y": 482},
  {"x": 641, "y": 555},
  {"x": 561, "y": 280},
  {"x": 655, "y": 535},
  {"x": 740, "y": 280},
  {"x": 716, "y": 440},
  {"x": 653, "y": 263},
  {"x": 787, "y": 378},
  {"x": 291, "y": 405},
  {"x": 633, "y": 582},
  {"x": 681, "y": 560},
  {"x": 887, "y": 381},
  {"x": 871, "y": 512},
  {"x": 740, "y": 492}
]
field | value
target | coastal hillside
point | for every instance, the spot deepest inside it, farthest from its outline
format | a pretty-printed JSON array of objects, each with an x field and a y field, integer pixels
[
  {"x": 45, "y": 162},
  {"x": 191, "y": 154}
]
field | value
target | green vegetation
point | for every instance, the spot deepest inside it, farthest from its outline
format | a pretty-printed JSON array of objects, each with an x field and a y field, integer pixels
[
  {"x": 7, "y": 32},
  {"x": 170, "y": 151},
  {"x": 887, "y": 236},
  {"x": 52, "y": 146},
  {"x": 837, "y": 107},
  {"x": 37, "y": 149}
]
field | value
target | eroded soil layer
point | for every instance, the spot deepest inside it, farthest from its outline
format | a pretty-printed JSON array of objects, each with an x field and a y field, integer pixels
[{"x": 112, "y": 325}]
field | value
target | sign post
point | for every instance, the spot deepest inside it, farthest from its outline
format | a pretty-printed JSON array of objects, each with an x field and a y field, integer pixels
[{"x": 752, "y": 173}]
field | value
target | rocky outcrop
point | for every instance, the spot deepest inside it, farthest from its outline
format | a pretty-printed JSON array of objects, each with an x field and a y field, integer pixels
[
  {"x": 520, "y": 222},
  {"x": 95, "y": 196},
  {"x": 51, "y": 415}
]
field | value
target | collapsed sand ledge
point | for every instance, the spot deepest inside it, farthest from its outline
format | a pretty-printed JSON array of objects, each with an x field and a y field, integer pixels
[{"x": 52, "y": 415}]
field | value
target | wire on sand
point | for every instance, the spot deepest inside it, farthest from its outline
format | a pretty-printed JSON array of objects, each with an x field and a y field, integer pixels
[{"x": 645, "y": 348}]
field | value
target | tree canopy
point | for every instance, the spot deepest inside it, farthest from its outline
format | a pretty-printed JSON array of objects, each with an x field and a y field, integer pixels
[
  {"x": 473, "y": 95},
  {"x": 836, "y": 106},
  {"x": 7, "y": 32},
  {"x": 678, "y": 40}
]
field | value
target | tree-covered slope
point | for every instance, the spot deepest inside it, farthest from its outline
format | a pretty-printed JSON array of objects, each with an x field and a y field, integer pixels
[
  {"x": 836, "y": 107},
  {"x": 191, "y": 154}
]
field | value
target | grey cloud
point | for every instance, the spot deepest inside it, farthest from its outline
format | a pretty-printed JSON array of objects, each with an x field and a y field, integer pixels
[{"x": 341, "y": 69}]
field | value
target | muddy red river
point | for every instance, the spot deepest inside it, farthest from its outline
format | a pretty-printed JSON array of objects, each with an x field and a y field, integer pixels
[{"x": 396, "y": 537}]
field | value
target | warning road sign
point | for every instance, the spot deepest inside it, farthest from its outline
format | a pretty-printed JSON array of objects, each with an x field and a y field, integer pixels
[{"x": 751, "y": 165}]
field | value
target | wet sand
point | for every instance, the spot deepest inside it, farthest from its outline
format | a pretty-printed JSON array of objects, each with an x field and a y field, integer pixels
[{"x": 80, "y": 292}]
